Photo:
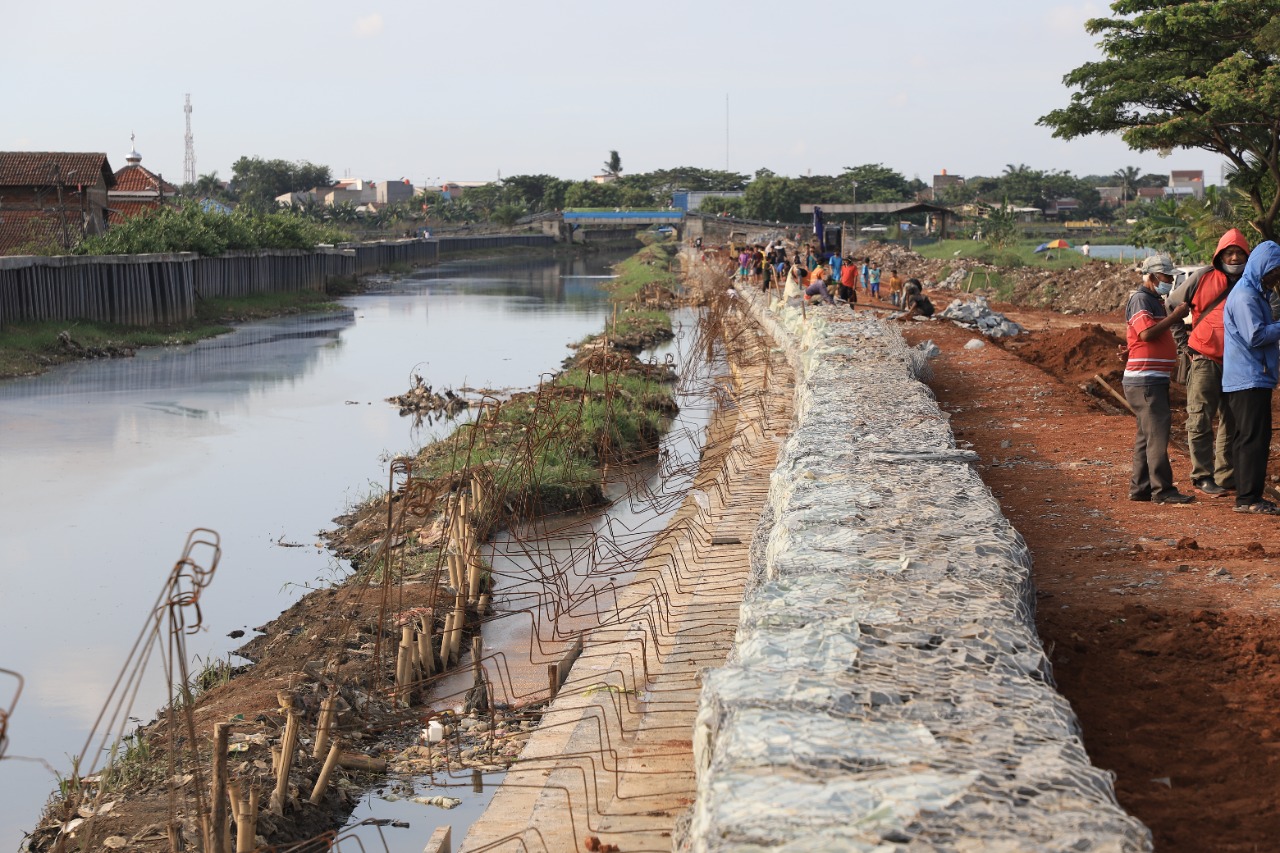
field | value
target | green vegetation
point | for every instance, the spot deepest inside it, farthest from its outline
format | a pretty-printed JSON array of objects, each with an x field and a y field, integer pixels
[
  {"x": 27, "y": 348},
  {"x": 1188, "y": 75},
  {"x": 545, "y": 449},
  {"x": 189, "y": 228},
  {"x": 256, "y": 182},
  {"x": 1017, "y": 254},
  {"x": 129, "y": 763}
]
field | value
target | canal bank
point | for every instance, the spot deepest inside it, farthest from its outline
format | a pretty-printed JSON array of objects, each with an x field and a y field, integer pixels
[
  {"x": 316, "y": 645},
  {"x": 108, "y": 464},
  {"x": 66, "y": 309}
]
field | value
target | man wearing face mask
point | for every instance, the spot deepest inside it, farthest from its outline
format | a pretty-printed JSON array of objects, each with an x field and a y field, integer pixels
[
  {"x": 1250, "y": 366},
  {"x": 1151, "y": 357},
  {"x": 1205, "y": 290}
]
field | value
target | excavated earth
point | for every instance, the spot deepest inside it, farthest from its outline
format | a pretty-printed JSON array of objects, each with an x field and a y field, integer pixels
[{"x": 1161, "y": 622}]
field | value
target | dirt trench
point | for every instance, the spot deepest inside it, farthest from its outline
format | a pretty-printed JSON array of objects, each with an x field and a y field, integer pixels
[{"x": 1161, "y": 621}]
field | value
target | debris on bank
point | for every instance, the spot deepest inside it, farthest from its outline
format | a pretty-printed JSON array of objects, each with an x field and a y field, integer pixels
[
  {"x": 423, "y": 400},
  {"x": 977, "y": 314}
]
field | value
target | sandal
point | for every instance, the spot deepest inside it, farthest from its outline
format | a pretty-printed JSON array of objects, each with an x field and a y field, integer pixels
[{"x": 1260, "y": 508}]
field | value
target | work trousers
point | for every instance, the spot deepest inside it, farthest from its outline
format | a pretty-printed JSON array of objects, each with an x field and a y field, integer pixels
[
  {"x": 1152, "y": 476},
  {"x": 1252, "y": 448},
  {"x": 1210, "y": 456}
]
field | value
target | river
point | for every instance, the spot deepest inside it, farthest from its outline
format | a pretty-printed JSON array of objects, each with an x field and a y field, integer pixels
[{"x": 264, "y": 435}]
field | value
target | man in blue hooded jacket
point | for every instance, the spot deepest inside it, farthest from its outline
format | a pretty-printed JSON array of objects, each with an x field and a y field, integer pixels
[{"x": 1250, "y": 368}]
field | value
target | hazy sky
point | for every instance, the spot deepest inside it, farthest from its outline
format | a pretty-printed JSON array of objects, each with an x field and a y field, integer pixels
[{"x": 467, "y": 89}]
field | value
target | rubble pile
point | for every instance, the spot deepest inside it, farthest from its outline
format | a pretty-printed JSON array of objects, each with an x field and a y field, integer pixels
[{"x": 977, "y": 314}]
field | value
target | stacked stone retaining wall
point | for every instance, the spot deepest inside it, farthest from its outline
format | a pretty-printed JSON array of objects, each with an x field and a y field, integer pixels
[{"x": 887, "y": 690}]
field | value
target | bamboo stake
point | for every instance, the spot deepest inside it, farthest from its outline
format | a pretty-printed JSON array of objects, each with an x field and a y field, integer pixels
[
  {"x": 361, "y": 762},
  {"x": 473, "y": 581},
  {"x": 322, "y": 782},
  {"x": 288, "y": 747},
  {"x": 425, "y": 653},
  {"x": 218, "y": 839},
  {"x": 459, "y": 619},
  {"x": 246, "y": 817},
  {"x": 324, "y": 726},
  {"x": 444, "y": 640},
  {"x": 477, "y": 671}
]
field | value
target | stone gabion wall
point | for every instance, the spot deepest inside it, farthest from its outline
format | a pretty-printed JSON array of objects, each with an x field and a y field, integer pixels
[{"x": 887, "y": 689}]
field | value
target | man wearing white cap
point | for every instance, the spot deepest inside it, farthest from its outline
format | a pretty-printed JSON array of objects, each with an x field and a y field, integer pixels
[{"x": 1151, "y": 357}]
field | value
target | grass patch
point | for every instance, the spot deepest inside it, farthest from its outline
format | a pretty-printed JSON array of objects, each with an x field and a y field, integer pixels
[
  {"x": 1020, "y": 254},
  {"x": 545, "y": 449}
]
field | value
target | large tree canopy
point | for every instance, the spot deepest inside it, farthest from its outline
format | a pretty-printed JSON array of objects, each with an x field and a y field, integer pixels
[
  {"x": 257, "y": 182},
  {"x": 1187, "y": 74}
]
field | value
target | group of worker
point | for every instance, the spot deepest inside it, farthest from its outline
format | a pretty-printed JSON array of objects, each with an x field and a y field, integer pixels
[
  {"x": 1230, "y": 355},
  {"x": 814, "y": 274}
]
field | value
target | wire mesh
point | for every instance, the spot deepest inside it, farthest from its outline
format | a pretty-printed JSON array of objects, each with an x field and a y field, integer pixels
[{"x": 887, "y": 689}]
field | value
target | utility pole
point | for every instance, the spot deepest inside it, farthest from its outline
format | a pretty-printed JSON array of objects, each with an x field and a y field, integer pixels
[
  {"x": 189, "y": 160},
  {"x": 62, "y": 208}
]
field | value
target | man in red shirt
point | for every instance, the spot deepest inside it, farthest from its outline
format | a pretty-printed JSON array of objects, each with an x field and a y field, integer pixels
[
  {"x": 1206, "y": 289},
  {"x": 1151, "y": 357}
]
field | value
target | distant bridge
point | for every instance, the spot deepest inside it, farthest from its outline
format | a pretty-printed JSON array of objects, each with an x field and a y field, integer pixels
[{"x": 623, "y": 218}]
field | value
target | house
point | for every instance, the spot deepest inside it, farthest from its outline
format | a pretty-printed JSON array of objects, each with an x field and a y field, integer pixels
[
  {"x": 302, "y": 198},
  {"x": 137, "y": 189},
  {"x": 1062, "y": 207},
  {"x": 943, "y": 182},
  {"x": 1147, "y": 195},
  {"x": 355, "y": 191},
  {"x": 390, "y": 192},
  {"x": 1111, "y": 196},
  {"x": 1186, "y": 182},
  {"x": 51, "y": 199},
  {"x": 604, "y": 179},
  {"x": 455, "y": 189}
]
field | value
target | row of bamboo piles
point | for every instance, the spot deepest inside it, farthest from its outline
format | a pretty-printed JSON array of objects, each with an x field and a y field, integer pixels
[
  {"x": 229, "y": 801},
  {"x": 465, "y": 512},
  {"x": 144, "y": 290}
]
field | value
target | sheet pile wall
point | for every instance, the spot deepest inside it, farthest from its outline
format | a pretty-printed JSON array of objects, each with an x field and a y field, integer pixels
[{"x": 887, "y": 690}]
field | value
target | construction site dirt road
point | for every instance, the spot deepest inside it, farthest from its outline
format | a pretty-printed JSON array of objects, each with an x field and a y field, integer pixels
[{"x": 1160, "y": 620}]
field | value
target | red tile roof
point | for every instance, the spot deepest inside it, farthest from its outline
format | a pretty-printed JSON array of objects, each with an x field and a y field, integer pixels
[
  {"x": 37, "y": 168},
  {"x": 118, "y": 210},
  {"x": 26, "y": 230},
  {"x": 138, "y": 178}
]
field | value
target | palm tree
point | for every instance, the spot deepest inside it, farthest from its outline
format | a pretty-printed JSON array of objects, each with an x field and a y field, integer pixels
[
  {"x": 208, "y": 185},
  {"x": 613, "y": 166},
  {"x": 1020, "y": 169},
  {"x": 1128, "y": 177}
]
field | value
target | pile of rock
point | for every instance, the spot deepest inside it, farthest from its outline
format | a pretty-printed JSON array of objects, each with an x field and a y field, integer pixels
[{"x": 977, "y": 314}]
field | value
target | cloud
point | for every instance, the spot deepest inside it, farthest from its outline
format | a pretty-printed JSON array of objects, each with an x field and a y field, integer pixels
[{"x": 369, "y": 26}]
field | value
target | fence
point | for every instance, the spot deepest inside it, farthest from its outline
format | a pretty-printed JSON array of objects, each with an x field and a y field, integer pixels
[{"x": 142, "y": 290}]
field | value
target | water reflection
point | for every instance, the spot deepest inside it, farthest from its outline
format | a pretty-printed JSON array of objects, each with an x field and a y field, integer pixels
[{"x": 263, "y": 434}]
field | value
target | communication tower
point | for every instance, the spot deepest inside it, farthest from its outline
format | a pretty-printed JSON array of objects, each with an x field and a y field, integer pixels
[{"x": 189, "y": 161}]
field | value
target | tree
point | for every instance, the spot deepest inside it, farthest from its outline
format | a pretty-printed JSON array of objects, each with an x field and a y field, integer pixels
[
  {"x": 876, "y": 182},
  {"x": 663, "y": 182},
  {"x": 539, "y": 192},
  {"x": 257, "y": 182},
  {"x": 1128, "y": 178},
  {"x": 1185, "y": 74},
  {"x": 613, "y": 166},
  {"x": 591, "y": 194}
]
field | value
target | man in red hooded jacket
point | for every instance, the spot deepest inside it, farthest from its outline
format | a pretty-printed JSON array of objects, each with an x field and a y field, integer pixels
[{"x": 1212, "y": 472}]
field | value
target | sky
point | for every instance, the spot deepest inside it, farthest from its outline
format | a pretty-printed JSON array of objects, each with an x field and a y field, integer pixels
[{"x": 474, "y": 89}]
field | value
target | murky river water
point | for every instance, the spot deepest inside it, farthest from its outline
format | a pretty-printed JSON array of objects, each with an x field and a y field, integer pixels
[{"x": 263, "y": 435}]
